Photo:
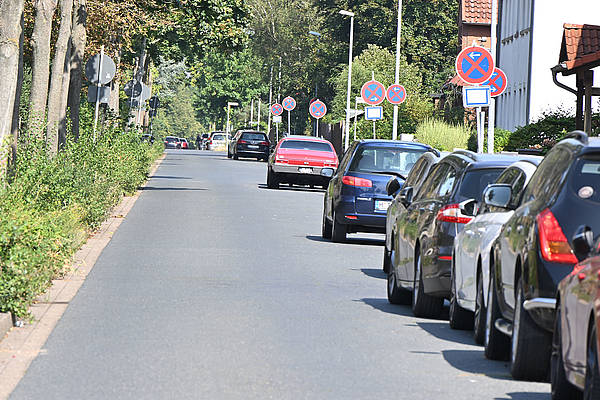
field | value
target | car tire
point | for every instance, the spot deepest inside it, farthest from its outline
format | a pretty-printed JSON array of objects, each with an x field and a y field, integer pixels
[
  {"x": 235, "y": 156},
  {"x": 272, "y": 179},
  {"x": 396, "y": 294},
  {"x": 530, "y": 345},
  {"x": 496, "y": 343},
  {"x": 480, "y": 312},
  {"x": 326, "y": 228},
  {"x": 592, "y": 371},
  {"x": 387, "y": 259},
  {"x": 424, "y": 305},
  {"x": 561, "y": 388},
  {"x": 338, "y": 230},
  {"x": 459, "y": 318}
]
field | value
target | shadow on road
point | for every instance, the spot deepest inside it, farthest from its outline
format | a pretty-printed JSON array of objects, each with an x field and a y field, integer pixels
[
  {"x": 175, "y": 189},
  {"x": 353, "y": 241},
  {"x": 293, "y": 188},
  {"x": 474, "y": 362},
  {"x": 441, "y": 330},
  {"x": 384, "y": 306},
  {"x": 525, "y": 396},
  {"x": 374, "y": 273},
  {"x": 168, "y": 177}
]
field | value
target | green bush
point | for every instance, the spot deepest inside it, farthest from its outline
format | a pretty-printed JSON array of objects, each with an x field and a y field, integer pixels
[
  {"x": 501, "y": 138},
  {"x": 441, "y": 135},
  {"x": 50, "y": 203}
]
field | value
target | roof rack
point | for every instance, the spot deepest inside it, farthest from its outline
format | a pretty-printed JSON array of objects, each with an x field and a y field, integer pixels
[{"x": 578, "y": 135}]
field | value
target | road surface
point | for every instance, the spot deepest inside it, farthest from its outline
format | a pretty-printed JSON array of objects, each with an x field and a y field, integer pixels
[{"x": 215, "y": 287}]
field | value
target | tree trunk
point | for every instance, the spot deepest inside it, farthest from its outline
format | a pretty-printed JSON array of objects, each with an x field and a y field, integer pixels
[
  {"x": 115, "y": 85},
  {"x": 63, "y": 121},
  {"x": 78, "y": 39},
  {"x": 16, "y": 120},
  {"x": 40, "y": 71},
  {"x": 11, "y": 15},
  {"x": 56, "y": 81}
]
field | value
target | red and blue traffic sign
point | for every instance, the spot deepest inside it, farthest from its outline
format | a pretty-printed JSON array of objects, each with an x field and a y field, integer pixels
[
  {"x": 276, "y": 109},
  {"x": 498, "y": 82},
  {"x": 396, "y": 94},
  {"x": 373, "y": 93},
  {"x": 318, "y": 109},
  {"x": 474, "y": 65},
  {"x": 289, "y": 103}
]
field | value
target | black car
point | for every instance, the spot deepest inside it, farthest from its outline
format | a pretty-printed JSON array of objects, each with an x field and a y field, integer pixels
[
  {"x": 532, "y": 253},
  {"x": 250, "y": 144},
  {"x": 356, "y": 199},
  {"x": 421, "y": 253},
  {"x": 414, "y": 180},
  {"x": 172, "y": 142}
]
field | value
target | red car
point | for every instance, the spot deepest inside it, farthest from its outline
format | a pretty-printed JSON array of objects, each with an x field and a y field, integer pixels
[
  {"x": 184, "y": 143},
  {"x": 575, "y": 360},
  {"x": 302, "y": 160}
]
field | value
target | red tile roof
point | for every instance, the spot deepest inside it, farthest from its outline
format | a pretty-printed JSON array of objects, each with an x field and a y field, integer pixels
[
  {"x": 580, "y": 46},
  {"x": 477, "y": 11}
]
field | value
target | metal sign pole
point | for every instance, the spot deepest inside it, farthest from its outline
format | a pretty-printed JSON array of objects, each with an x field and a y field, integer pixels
[
  {"x": 492, "y": 110},
  {"x": 374, "y": 130},
  {"x": 355, "y": 116},
  {"x": 270, "y": 102},
  {"x": 317, "y": 128},
  {"x": 98, "y": 85},
  {"x": 397, "y": 74},
  {"x": 277, "y": 132},
  {"x": 258, "y": 123},
  {"x": 289, "y": 123}
]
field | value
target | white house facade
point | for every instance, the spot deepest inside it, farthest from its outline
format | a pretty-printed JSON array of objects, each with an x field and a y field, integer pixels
[{"x": 529, "y": 42}]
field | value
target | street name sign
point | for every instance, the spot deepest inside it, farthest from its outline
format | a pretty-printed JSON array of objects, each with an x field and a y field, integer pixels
[
  {"x": 396, "y": 94},
  {"x": 318, "y": 109},
  {"x": 373, "y": 93},
  {"x": 289, "y": 103},
  {"x": 477, "y": 96},
  {"x": 498, "y": 82},
  {"x": 474, "y": 65}
]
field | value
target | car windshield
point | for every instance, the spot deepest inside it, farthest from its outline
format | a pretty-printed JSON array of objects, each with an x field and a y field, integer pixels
[
  {"x": 171, "y": 139},
  {"x": 253, "y": 136},
  {"x": 306, "y": 145},
  {"x": 218, "y": 137},
  {"x": 585, "y": 178},
  {"x": 475, "y": 181},
  {"x": 385, "y": 160}
]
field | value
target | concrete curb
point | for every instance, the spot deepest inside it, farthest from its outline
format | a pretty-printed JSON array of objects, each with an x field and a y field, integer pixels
[{"x": 22, "y": 345}]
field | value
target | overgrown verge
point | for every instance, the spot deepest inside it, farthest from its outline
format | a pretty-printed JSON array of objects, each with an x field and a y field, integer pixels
[
  {"x": 443, "y": 136},
  {"x": 48, "y": 205}
]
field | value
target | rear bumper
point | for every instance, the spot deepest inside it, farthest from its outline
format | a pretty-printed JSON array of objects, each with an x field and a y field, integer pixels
[
  {"x": 252, "y": 153},
  {"x": 294, "y": 170},
  {"x": 358, "y": 222}
]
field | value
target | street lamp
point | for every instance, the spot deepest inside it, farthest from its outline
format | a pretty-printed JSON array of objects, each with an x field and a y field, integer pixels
[
  {"x": 229, "y": 105},
  {"x": 318, "y": 35},
  {"x": 347, "y": 126},
  {"x": 395, "y": 124}
]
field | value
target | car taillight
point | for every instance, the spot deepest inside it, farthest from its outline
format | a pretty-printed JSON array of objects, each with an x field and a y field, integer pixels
[
  {"x": 264, "y": 143},
  {"x": 241, "y": 141},
  {"x": 452, "y": 213},
  {"x": 354, "y": 181},
  {"x": 553, "y": 243}
]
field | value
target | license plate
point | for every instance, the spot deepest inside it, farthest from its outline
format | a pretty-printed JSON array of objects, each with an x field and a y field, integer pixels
[
  {"x": 305, "y": 170},
  {"x": 382, "y": 205},
  {"x": 252, "y": 146}
]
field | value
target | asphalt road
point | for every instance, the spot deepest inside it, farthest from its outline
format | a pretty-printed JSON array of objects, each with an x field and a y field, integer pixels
[{"x": 215, "y": 287}]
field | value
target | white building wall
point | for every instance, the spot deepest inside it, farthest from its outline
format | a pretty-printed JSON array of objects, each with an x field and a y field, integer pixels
[{"x": 517, "y": 57}]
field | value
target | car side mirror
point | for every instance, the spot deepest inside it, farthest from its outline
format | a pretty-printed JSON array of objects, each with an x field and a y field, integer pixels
[
  {"x": 498, "y": 195},
  {"x": 583, "y": 242},
  {"x": 469, "y": 207},
  {"x": 393, "y": 186},
  {"x": 406, "y": 196}
]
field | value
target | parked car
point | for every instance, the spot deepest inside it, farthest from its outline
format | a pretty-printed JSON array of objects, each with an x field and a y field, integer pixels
[
  {"x": 575, "y": 360},
  {"x": 424, "y": 233},
  {"x": 414, "y": 180},
  {"x": 202, "y": 141},
  {"x": 184, "y": 143},
  {"x": 356, "y": 199},
  {"x": 532, "y": 253},
  {"x": 472, "y": 246},
  {"x": 217, "y": 141},
  {"x": 251, "y": 144},
  {"x": 303, "y": 160},
  {"x": 171, "y": 142}
]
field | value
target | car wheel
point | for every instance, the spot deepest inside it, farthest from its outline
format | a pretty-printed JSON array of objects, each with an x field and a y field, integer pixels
[
  {"x": 530, "y": 345},
  {"x": 338, "y": 231},
  {"x": 561, "y": 387},
  {"x": 235, "y": 156},
  {"x": 459, "y": 318},
  {"x": 326, "y": 228},
  {"x": 396, "y": 294},
  {"x": 424, "y": 305},
  {"x": 387, "y": 260},
  {"x": 272, "y": 180},
  {"x": 592, "y": 373},
  {"x": 496, "y": 343},
  {"x": 480, "y": 312}
]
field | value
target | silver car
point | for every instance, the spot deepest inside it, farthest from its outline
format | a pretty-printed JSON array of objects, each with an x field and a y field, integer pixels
[{"x": 472, "y": 247}]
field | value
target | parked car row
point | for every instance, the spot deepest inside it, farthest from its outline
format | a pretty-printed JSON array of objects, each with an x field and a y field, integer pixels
[
  {"x": 173, "y": 142},
  {"x": 507, "y": 239}
]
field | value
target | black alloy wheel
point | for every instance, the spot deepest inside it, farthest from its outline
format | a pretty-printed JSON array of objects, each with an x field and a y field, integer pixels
[
  {"x": 459, "y": 318},
  {"x": 424, "y": 305},
  {"x": 592, "y": 371},
  {"x": 530, "y": 345},
  {"x": 480, "y": 312},
  {"x": 497, "y": 344},
  {"x": 561, "y": 387},
  {"x": 387, "y": 259}
]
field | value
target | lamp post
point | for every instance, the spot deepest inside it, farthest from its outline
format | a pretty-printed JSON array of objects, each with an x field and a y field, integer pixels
[
  {"x": 318, "y": 35},
  {"x": 397, "y": 76},
  {"x": 347, "y": 125},
  {"x": 494, "y": 49},
  {"x": 229, "y": 105}
]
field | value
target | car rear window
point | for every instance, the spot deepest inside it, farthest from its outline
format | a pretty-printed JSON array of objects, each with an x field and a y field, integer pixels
[
  {"x": 475, "y": 181},
  {"x": 218, "y": 137},
  {"x": 306, "y": 145},
  {"x": 171, "y": 139},
  {"x": 384, "y": 159},
  {"x": 585, "y": 178},
  {"x": 254, "y": 136}
]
